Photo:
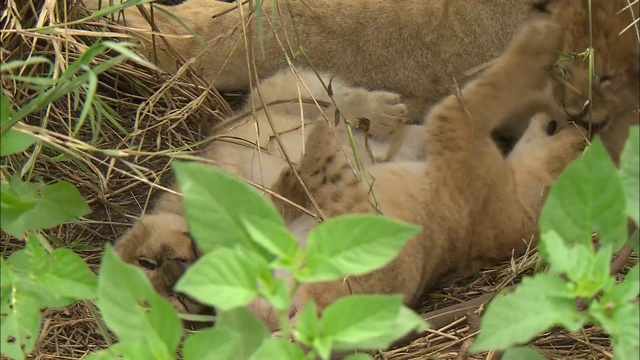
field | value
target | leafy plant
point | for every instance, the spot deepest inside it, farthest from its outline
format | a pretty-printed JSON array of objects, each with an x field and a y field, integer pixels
[
  {"x": 591, "y": 196},
  {"x": 39, "y": 276}
]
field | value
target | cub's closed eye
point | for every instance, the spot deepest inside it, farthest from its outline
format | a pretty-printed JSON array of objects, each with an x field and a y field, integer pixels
[
  {"x": 605, "y": 80},
  {"x": 147, "y": 263},
  {"x": 562, "y": 71}
]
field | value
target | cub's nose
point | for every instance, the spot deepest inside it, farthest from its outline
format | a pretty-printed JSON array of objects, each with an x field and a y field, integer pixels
[{"x": 576, "y": 106}]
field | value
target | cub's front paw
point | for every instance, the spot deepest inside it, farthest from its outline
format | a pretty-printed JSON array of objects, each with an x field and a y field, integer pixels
[
  {"x": 385, "y": 116},
  {"x": 537, "y": 42}
]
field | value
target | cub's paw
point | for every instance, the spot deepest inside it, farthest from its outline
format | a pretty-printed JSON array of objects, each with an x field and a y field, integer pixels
[
  {"x": 564, "y": 147},
  {"x": 385, "y": 114},
  {"x": 536, "y": 43}
]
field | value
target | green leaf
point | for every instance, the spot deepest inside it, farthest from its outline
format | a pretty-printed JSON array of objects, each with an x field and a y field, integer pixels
[
  {"x": 406, "y": 322},
  {"x": 366, "y": 322},
  {"x": 124, "y": 350},
  {"x": 618, "y": 313},
  {"x": 522, "y": 353},
  {"x": 539, "y": 303},
  {"x": 216, "y": 204},
  {"x": 20, "y": 324},
  {"x": 14, "y": 142},
  {"x": 250, "y": 331},
  {"x": 225, "y": 278},
  {"x": 622, "y": 322},
  {"x": 629, "y": 169},
  {"x": 353, "y": 245},
  {"x": 277, "y": 294},
  {"x": 69, "y": 276},
  {"x": 274, "y": 237},
  {"x": 52, "y": 280},
  {"x": 278, "y": 349},
  {"x": 588, "y": 271},
  {"x": 587, "y": 198},
  {"x": 133, "y": 310},
  {"x": 308, "y": 326},
  {"x": 5, "y": 110},
  {"x": 211, "y": 344},
  {"x": 48, "y": 206}
]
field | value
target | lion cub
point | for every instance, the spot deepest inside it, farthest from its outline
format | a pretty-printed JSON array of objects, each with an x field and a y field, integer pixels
[
  {"x": 475, "y": 207},
  {"x": 414, "y": 47},
  {"x": 159, "y": 242},
  {"x": 616, "y": 81}
]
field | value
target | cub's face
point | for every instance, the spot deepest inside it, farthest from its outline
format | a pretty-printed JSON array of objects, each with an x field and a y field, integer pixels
[
  {"x": 615, "y": 78},
  {"x": 161, "y": 246},
  {"x": 614, "y": 92}
]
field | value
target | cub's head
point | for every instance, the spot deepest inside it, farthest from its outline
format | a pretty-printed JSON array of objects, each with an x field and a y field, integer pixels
[
  {"x": 615, "y": 51},
  {"x": 161, "y": 246}
]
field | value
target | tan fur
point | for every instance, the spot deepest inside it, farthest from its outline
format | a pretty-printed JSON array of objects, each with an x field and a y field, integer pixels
[
  {"x": 617, "y": 77},
  {"x": 162, "y": 237},
  {"x": 475, "y": 207},
  {"x": 412, "y": 47}
]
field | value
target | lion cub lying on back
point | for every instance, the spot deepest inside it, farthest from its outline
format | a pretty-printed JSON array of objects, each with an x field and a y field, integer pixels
[
  {"x": 474, "y": 206},
  {"x": 160, "y": 244}
]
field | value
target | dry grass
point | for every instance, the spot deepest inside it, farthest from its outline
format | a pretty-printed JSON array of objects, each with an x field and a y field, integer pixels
[{"x": 165, "y": 117}]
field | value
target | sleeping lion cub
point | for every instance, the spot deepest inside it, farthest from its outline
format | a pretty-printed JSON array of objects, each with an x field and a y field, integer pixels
[
  {"x": 159, "y": 243},
  {"x": 413, "y": 47},
  {"x": 475, "y": 207}
]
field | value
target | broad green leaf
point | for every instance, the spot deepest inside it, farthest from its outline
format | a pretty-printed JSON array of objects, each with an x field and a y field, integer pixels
[
  {"x": 522, "y": 353},
  {"x": 69, "y": 276},
  {"x": 133, "y": 310},
  {"x": 251, "y": 331},
  {"x": 211, "y": 344},
  {"x": 5, "y": 109},
  {"x": 629, "y": 169},
  {"x": 622, "y": 322},
  {"x": 538, "y": 303},
  {"x": 364, "y": 322},
  {"x": 587, "y": 198},
  {"x": 225, "y": 278},
  {"x": 277, "y": 294},
  {"x": 353, "y": 245},
  {"x": 274, "y": 237},
  {"x": 406, "y": 322},
  {"x": 52, "y": 280},
  {"x": 124, "y": 350},
  {"x": 588, "y": 271},
  {"x": 15, "y": 142},
  {"x": 308, "y": 326},
  {"x": 216, "y": 203},
  {"x": 20, "y": 324},
  {"x": 52, "y": 205},
  {"x": 278, "y": 349}
]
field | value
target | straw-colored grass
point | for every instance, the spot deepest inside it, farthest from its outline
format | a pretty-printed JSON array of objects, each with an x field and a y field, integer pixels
[{"x": 118, "y": 169}]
